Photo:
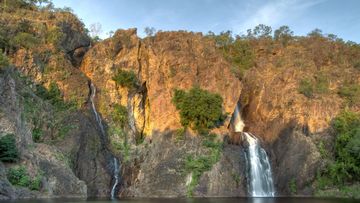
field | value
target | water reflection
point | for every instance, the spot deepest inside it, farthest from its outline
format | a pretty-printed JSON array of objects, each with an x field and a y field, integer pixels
[{"x": 196, "y": 200}]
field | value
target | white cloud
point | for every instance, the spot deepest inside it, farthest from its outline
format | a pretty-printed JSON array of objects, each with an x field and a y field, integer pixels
[{"x": 272, "y": 13}]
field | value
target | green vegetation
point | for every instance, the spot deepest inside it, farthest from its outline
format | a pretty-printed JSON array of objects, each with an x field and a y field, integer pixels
[
  {"x": 54, "y": 35},
  {"x": 344, "y": 167},
  {"x": 308, "y": 87},
  {"x": 8, "y": 149},
  {"x": 292, "y": 186},
  {"x": 236, "y": 178},
  {"x": 19, "y": 177},
  {"x": 126, "y": 79},
  {"x": 350, "y": 191},
  {"x": 4, "y": 61},
  {"x": 199, "y": 164},
  {"x": 237, "y": 51},
  {"x": 351, "y": 93},
  {"x": 37, "y": 134},
  {"x": 199, "y": 108},
  {"x": 120, "y": 115},
  {"x": 283, "y": 34},
  {"x": 54, "y": 97},
  {"x": 25, "y": 40}
]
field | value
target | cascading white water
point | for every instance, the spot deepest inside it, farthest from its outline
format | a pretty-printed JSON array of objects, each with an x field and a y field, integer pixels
[
  {"x": 260, "y": 178},
  {"x": 238, "y": 123},
  {"x": 259, "y": 169},
  {"x": 97, "y": 117},
  {"x": 99, "y": 121},
  {"x": 116, "y": 177}
]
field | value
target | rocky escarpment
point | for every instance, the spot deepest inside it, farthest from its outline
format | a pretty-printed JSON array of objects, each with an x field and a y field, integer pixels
[
  {"x": 45, "y": 104},
  {"x": 57, "y": 178}
]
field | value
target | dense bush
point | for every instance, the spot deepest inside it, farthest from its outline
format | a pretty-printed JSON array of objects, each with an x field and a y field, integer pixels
[
  {"x": 25, "y": 40},
  {"x": 351, "y": 93},
  {"x": 344, "y": 167},
  {"x": 53, "y": 95},
  {"x": 309, "y": 87},
  {"x": 8, "y": 150},
  {"x": 198, "y": 108},
  {"x": 54, "y": 35},
  {"x": 19, "y": 176},
  {"x": 126, "y": 79},
  {"x": 120, "y": 115},
  {"x": 306, "y": 88},
  {"x": 37, "y": 134},
  {"x": 4, "y": 61}
]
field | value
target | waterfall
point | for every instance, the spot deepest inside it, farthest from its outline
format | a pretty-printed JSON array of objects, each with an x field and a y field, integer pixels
[
  {"x": 97, "y": 116},
  {"x": 116, "y": 177},
  {"x": 259, "y": 169},
  {"x": 259, "y": 173},
  {"x": 238, "y": 123},
  {"x": 116, "y": 166}
]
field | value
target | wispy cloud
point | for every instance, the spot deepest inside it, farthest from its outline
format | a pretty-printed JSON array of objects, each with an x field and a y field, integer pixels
[{"x": 273, "y": 13}]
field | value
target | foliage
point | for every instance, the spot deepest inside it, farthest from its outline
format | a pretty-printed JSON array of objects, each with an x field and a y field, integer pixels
[
  {"x": 345, "y": 165},
  {"x": 292, "y": 186},
  {"x": 54, "y": 35},
  {"x": 126, "y": 79},
  {"x": 37, "y": 134},
  {"x": 260, "y": 31},
  {"x": 19, "y": 176},
  {"x": 236, "y": 178},
  {"x": 237, "y": 51},
  {"x": 351, "y": 191},
  {"x": 8, "y": 149},
  {"x": 4, "y": 61},
  {"x": 150, "y": 31},
  {"x": 120, "y": 115},
  {"x": 283, "y": 34},
  {"x": 200, "y": 164},
  {"x": 351, "y": 93},
  {"x": 25, "y": 40},
  {"x": 53, "y": 96},
  {"x": 308, "y": 87},
  {"x": 198, "y": 108}
]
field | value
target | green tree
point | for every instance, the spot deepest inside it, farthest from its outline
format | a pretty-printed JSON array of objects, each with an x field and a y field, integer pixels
[
  {"x": 262, "y": 31},
  {"x": 150, "y": 31},
  {"x": 8, "y": 149},
  {"x": 126, "y": 79},
  {"x": 283, "y": 34},
  {"x": 198, "y": 108}
]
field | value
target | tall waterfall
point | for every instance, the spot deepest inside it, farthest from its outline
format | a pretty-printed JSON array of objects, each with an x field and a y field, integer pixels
[
  {"x": 259, "y": 169},
  {"x": 115, "y": 164}
]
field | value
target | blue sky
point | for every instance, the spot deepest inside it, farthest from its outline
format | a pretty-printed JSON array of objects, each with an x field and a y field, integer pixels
[{"x": 339, "y": 17}]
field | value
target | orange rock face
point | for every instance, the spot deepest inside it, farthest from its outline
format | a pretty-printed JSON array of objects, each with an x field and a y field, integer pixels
[{"x": 163, "y": 63}]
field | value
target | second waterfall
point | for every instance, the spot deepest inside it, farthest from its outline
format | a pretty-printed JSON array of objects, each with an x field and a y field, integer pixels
[
  {"x": 114, "y": 161},
  {"x": 260, "y": 182}
]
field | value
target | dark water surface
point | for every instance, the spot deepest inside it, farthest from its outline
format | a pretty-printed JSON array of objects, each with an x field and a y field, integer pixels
[{"x": 197, "y": 200}]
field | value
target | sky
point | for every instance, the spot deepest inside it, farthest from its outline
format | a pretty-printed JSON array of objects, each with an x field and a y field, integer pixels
[{"x": 339, "y": 17}]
